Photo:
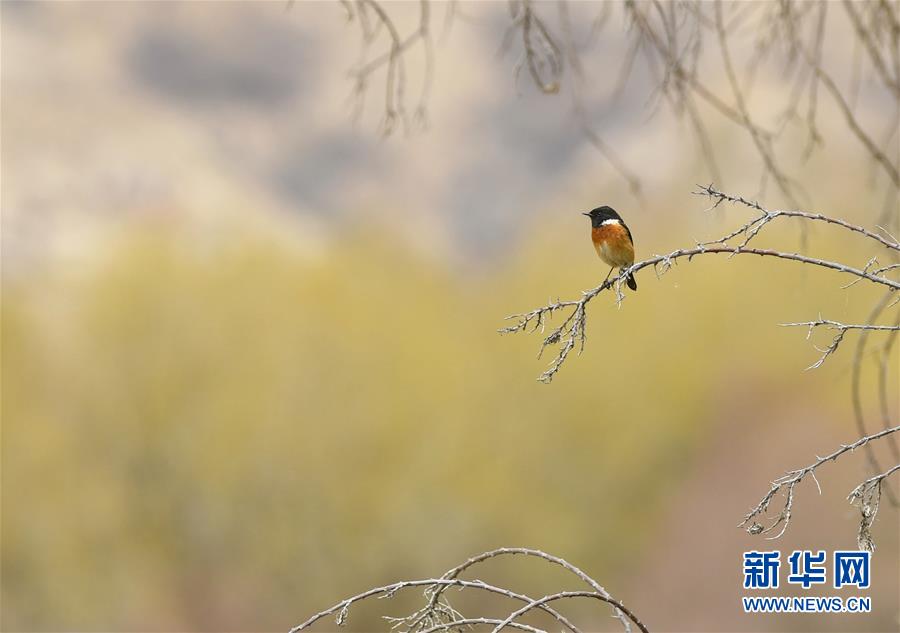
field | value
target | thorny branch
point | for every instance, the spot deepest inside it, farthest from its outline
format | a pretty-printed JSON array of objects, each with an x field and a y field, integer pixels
[
  {"x": 887, "y": 300},
  {"x": 513, "y": 551},
  {"x": 767, "y": 216},
  {"x": 864, "y": 492},
  {"x": 842, "y": 328},
  {"x": 571, "y": 334},
  {"x": 438, "y": 615}
]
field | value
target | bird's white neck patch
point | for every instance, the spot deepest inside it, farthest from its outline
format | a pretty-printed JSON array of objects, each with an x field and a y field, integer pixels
[{"x": 610, "y": 221}]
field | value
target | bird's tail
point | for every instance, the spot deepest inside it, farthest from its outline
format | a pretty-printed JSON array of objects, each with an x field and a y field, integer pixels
[{"x": 631, "y": 282}]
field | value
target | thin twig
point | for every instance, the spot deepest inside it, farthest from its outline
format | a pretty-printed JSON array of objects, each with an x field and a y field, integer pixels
[
  {"x": 763, "y": 145},
  {"x": 767, "y": 215}
]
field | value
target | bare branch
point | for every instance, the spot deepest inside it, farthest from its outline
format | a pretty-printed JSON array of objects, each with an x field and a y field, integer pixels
[
  {"x": 883, "y": 399},
  {"x": 541, "y": 51},
  {"x": 393, "y": 58},
  {"x": 678, "y": 70},
  {"x": 712, "y": 192},
  {"x": 388, "y": 591},
  {"x": 572, "y": 332},
  {"x": 865, "y": 37},
  {"x": 842, "y": 329},
  {"x": 876, "y": 153},
  {"x": 763, "y": 145},
  {"x": 856, "y": 387},
  {"x": 671, "y": 36},
  {"x": 522, "y": 551},
  {"x": 562, "y": 595},
  {"x": 438, "y": 615},
  {"x": 814, "y": 138},
  {"x": 794, "y": 477},
  {"x": 466, "y": 622},
  {"x": 578, "y": 101}
]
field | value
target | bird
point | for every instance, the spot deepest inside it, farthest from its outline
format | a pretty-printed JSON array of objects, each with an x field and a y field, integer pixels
[{"x": 612, "y": 240}]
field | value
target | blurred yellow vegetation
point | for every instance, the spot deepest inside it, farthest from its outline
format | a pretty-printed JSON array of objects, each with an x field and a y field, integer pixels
[{"x": 235, "y": 437}]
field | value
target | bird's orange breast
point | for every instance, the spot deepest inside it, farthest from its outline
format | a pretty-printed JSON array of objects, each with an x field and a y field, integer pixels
[{"x": 613, "y": 244}]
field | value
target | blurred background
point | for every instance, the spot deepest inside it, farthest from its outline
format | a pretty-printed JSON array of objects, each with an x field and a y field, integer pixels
[{"x": 249, "y": 353}]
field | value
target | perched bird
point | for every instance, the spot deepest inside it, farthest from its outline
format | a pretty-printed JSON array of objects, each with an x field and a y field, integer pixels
[{"x": 612, "y": 239}]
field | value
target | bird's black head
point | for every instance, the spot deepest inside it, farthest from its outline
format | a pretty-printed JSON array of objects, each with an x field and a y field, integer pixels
[{"x": 601, "y": 214}]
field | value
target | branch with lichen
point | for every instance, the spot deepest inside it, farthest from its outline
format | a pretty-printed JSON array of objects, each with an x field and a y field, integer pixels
[
  {"x": 865, "y": 494},
  {"x": 437, "y": 614},
  {"x": 867, "y": 497}
]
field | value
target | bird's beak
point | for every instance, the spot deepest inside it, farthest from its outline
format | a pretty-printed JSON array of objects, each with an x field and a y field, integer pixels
[{"x": 587, "y": 214}]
